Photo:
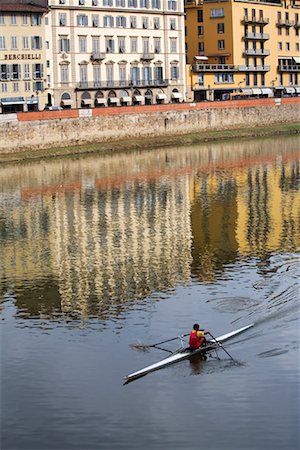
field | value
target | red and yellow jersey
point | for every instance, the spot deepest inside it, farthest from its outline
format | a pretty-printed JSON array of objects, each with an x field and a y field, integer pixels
[{"x": 196, "y": 339}]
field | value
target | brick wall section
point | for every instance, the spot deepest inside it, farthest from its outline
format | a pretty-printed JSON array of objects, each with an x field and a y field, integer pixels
[
  {"x": 48, "y": 129},
  {"x": 120, "y": 110}
]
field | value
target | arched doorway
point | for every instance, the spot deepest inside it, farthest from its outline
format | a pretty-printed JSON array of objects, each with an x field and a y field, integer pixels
[
  {"x": 86, "y": 101},
  {"x": 148, "y": 97},
  {"x": 176, "y": 96},
  {"x": 112, "y": 99},
  {"x": 66, "y": 101},
  {"x": 100, "y": 101},
  {"x": 137, "y": 98}
]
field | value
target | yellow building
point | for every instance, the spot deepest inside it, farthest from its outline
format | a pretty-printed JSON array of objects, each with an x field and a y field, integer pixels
[
  {"x": 250, "y": 47},
  {"x": 22, "y": 57}
]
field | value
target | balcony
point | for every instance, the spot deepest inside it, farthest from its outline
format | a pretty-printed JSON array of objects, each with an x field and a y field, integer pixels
[
  {"x": 147, "y": 56},
  {"x": 92, "y": 85},
  {"x": 256, "y": 52},
  {"x": 253, "y": 68},
  {"x": 97, "y": 56},
  {"x": 285, "y": 23},
  {"x": 198, "y": 67},
  {"x": 255, "y": 20},
  {"x": 289, "y": 68},
  {"x": 256, "y": 36}
]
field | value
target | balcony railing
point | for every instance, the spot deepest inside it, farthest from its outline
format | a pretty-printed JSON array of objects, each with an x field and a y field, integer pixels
[
  {"x": 285, "y": 23},
  {"x": 121, "y": 84},
  {"x": 257, "y": 36},
  {"x": 147, "y": 56},
  {"x": 242, "y": 68},
  {"x": 198, "y": 67},
  {"x": 256, "y": 52},
  {"x": 289, "y": 68},
  {"x": 97, "y": 56},
  {"x": 253, "y": 19}
]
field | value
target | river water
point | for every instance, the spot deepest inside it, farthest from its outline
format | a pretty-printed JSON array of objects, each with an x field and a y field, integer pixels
[{"x": 100, "y": 252}]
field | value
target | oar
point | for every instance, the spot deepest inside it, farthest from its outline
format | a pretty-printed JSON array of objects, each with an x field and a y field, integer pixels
[
  {"x": 144, "y": 346},
  {"x": 220, "y": 344}
]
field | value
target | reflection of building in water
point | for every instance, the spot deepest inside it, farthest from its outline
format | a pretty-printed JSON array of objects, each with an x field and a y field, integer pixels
[
  {"x": 121, "y": 243},
  {"x": 104, "y": 231}
]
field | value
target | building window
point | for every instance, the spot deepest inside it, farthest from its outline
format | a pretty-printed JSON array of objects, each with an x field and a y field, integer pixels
[
  {"x": 36, "y": 42},
  {"x": 217, "y": 12},
  {"x": 64, "y": 44},
  {"x": 172, "y": 5},
  {"x": 263, "y": 82},
  {"x": 146, "y": 46},
  {"x": 121, "y": 22},
  {"x": 135, "y": 74},
  {"x": 173, "y": 45},
  {"x": 95, "y": 44},
  {"x": 201, "y": 47},
  {"x": 145, "y": 22},
  {"x": 24, "y": 19},
  {"x": 159, "y": 75},
  {"x": 132, "y": 3},
  {"x": 255, "y": 79},
  {"x": 172, "y": 24},
  {"x": 221, "y": 44},
  {"x": 200, "y": 15},
  {"x": 201, "y": 79},
  {"x": 27, "y": 72},
  {"x": 14, "y": 43},
  {"x": 122, "y": 45},
  {"x": 174, "y": 72},
  {"x": 200, "y": 30},
  {"x": 62, "y": 19},
  {"x": 133, "y": 45},
  {"x": 82, "y": 20},
  {"x": 109, "y": 73},
  {"x": 95, "y": 20},
  {"x": 297, "y": 47},
  {"x": 144, "y": 4},
  {"x": 97, "y": 73},
  {"x": 226, "y": 77},
  {"x": 82, "y": 44},
  {"x": 2, "y": 43},
  {"x": 108, "y": 21},
  {"x": 36, "y": 20},
  {"x": 25, "y": 42},
  {"x": 4, "y": 87},
  {"x": 157, "y": 45},
  {"x": 132, "y": 21},
  {"x": 287, "y": 46},
  {"x": 83, "y": 73},
  {"x": 4, "y": 72},
  {"x": 38, "y": 71},
  {"x": 27, "y": 86},
  {"x": 107, "y": 2},
  {"x": 279, "y": 45},
  {"x": 64, "y": 73},
  {"x": 156, "y": 23},
  {"x": 110, "y": 45},
  {"x": 16, "y": 87},
  {"x": 2, "y": 19},
  {"x": 156, "y": 4},
  {"x": 13, "y": 19},
  {"x": 120, "y": 3},
  {"x": 221, "y": 28},
  {"x": 122, "y": 73}
]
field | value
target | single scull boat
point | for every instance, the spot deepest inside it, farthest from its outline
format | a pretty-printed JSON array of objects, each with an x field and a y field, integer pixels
[{"x": 185, "y": 354}]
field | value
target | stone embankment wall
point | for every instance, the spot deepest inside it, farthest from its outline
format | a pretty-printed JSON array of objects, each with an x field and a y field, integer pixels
[{"x": 48, "y": 129}]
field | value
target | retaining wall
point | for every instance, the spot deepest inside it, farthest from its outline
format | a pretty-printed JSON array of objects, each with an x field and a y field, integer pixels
[{"x": 46, "y": 129}]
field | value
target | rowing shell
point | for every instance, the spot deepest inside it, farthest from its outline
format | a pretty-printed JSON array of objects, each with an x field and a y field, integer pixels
[{"x": 211, "y": 345}]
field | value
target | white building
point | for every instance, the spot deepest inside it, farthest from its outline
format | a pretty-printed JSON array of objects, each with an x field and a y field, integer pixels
[{"x": 112, "y": 52}]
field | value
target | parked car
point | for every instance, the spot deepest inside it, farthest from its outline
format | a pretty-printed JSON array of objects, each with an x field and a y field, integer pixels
[{"x": 52, "y": 108}]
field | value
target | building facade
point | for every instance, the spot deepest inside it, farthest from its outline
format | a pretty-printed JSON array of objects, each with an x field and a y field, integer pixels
[
  {"x": 247, "y": 46},
  {"x": 22, "y": 57},
  {"x": 115, "y": 52}
]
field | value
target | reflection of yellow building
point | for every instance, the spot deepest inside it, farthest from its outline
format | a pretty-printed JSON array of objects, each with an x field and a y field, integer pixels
[
  {"x": 104, "y": 231},
  {"x": 242, "y": 46}
]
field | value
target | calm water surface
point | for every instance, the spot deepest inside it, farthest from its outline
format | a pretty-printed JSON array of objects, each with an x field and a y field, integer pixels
[{"x": 100, "y": 252}]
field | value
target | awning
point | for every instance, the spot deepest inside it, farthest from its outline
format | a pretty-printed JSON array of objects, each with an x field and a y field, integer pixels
[
  {"x": 256, "y": 91},
  {"x": 113, "y": 100},
  {"x": 247, "y": 91},
  {"x": 297, "y": 90},
  {"x": 267, "y": 91},
  {"x": 139, "y": 98},
  {"x": 289, "y": 90},
  {"x": 296, "y": 59},
  {"x": 101, "y": 101},
  {"x": 66, "y": 102},
  {"x": 87, "y": 101},
  {"x": 201, "y": 58},
  {"x": 149, "y": 96},
  {"x": 161, "y": 96},
  {"x": 279, "y": 88},
  {"x": 126, "y": 99},
  {"x": 176, "y": 95},
  {"x": 32, "y": 101},
  {"x": 12, "y": 101}
]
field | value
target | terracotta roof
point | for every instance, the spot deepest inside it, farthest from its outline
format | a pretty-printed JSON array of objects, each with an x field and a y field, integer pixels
[{"x": 25, "y": 7}]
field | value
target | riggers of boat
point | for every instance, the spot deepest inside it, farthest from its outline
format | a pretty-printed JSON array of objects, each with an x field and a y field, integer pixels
[{"x": 212, "y": 344}]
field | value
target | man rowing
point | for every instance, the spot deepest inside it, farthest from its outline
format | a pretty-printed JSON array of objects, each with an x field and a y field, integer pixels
[{"x": 197, "y": 337}]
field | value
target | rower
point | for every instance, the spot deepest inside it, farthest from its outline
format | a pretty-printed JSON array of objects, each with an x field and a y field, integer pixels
[{"x": 197, "y": 337}]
